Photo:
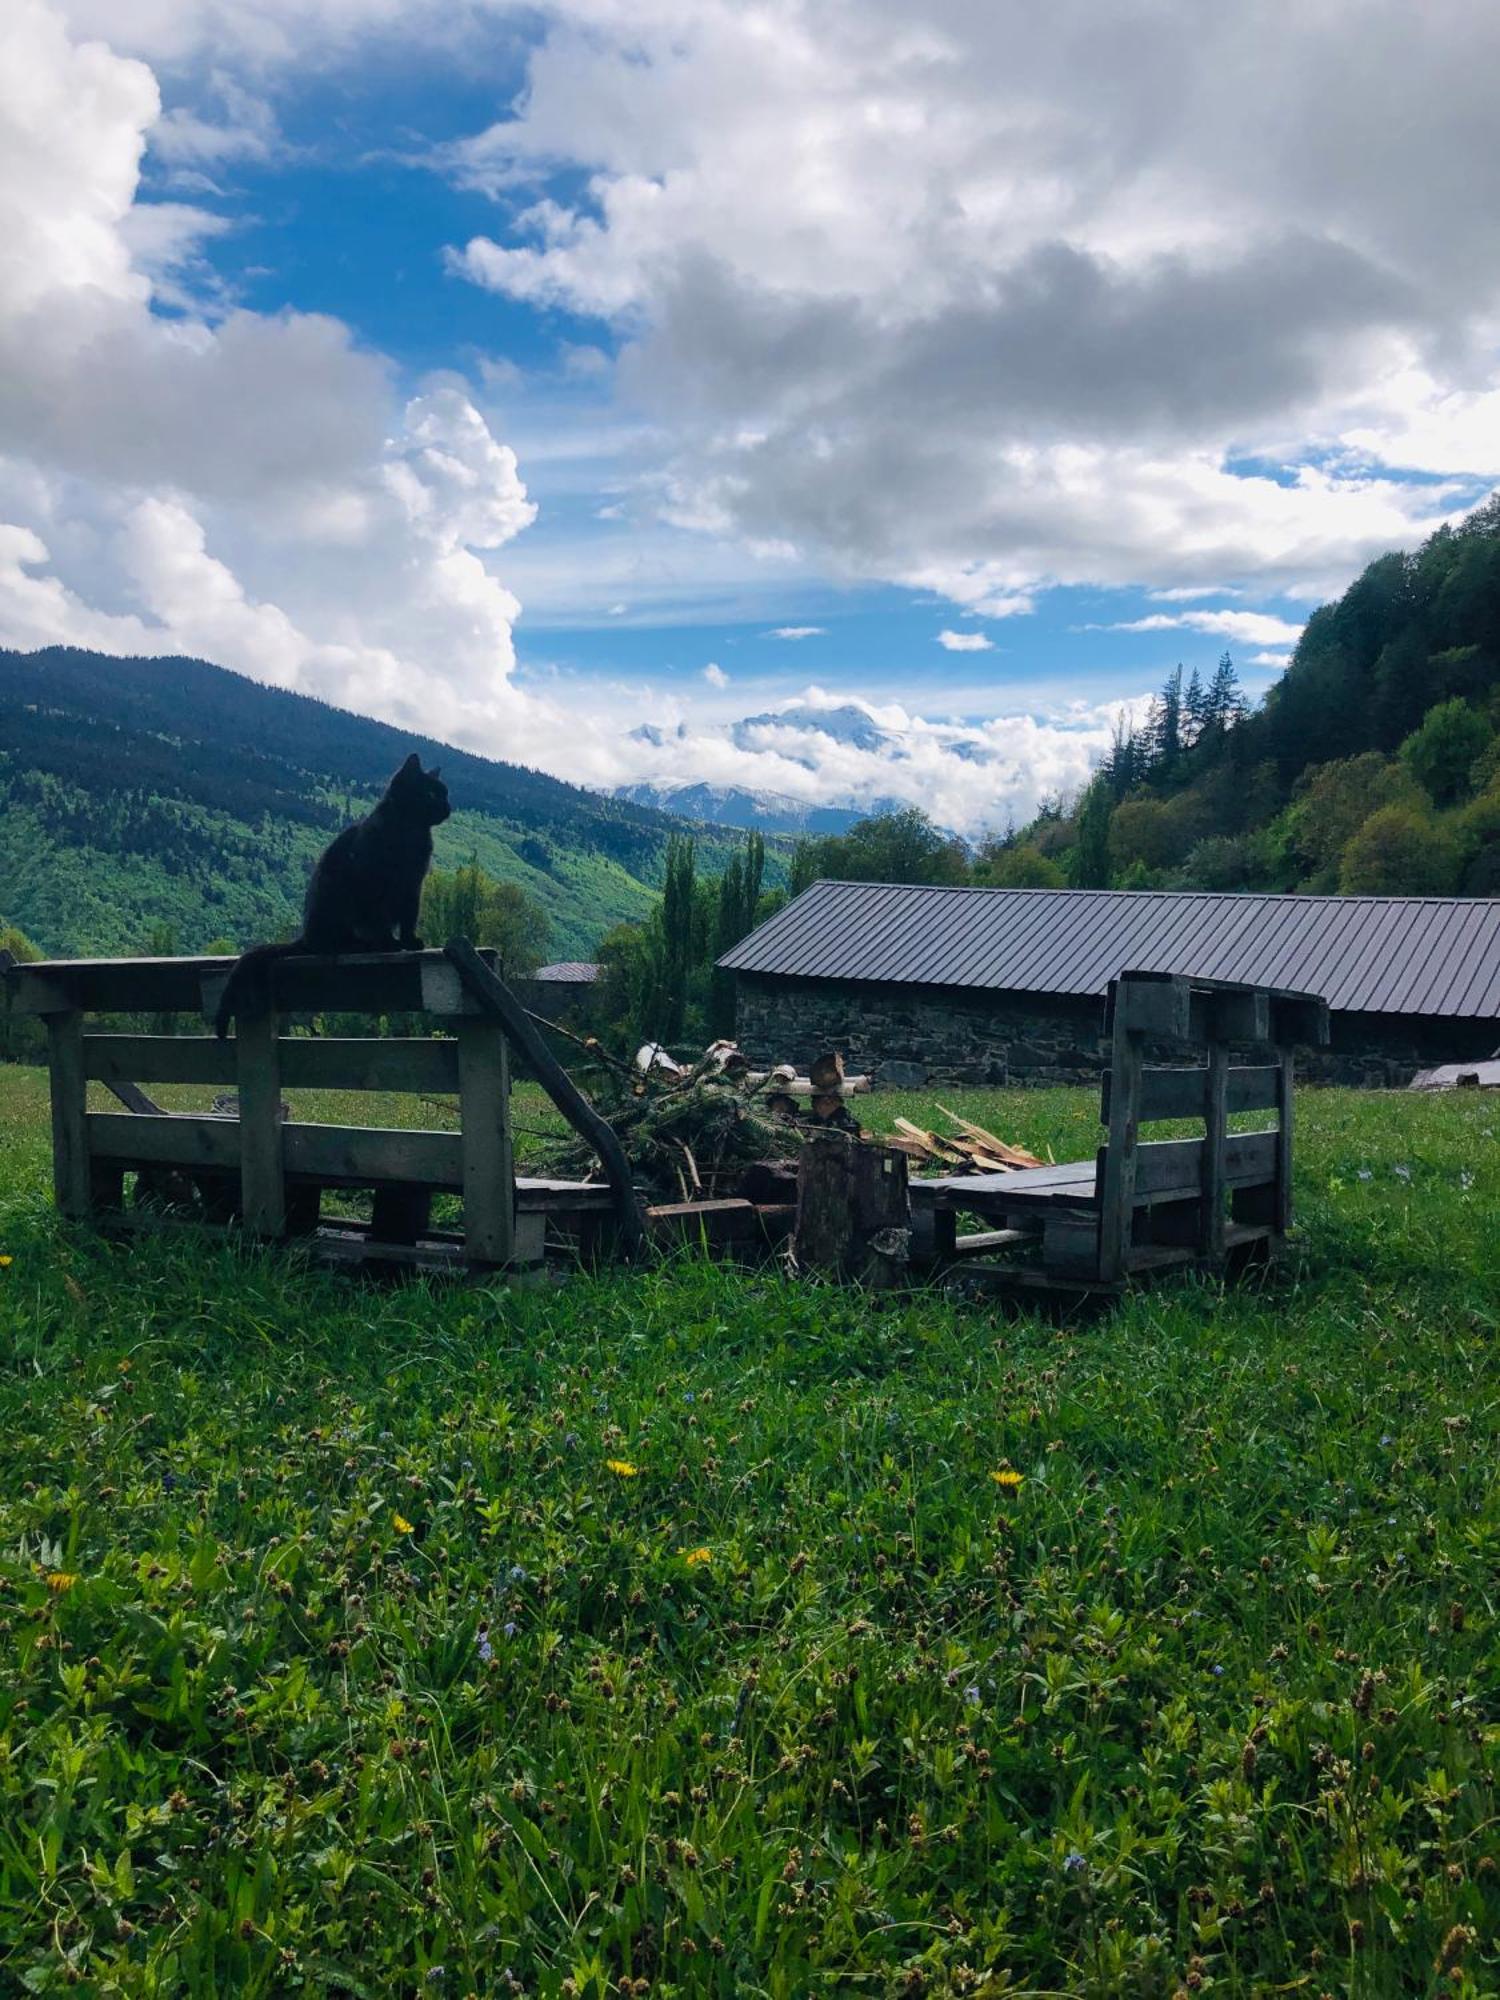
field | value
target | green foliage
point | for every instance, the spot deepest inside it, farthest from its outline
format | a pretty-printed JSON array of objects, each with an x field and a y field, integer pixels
[
  {"x": 1208, "y": 1701},
  {"x": 1400, "y": 852},
  {"x": 889, "y": 847},
  {"x": 1089, "y": 862},
  {"x": 22, "y": 1036},
  {"x": 1330, "y": 804},
  {"x": 1443, "y": 753},
  {"x": 499, "y": 916},
  {"x": 1019, "y": 866}
]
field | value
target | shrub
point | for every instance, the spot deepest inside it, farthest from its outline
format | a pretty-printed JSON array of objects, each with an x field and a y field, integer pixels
[
  {"x": 1441, "y": 755},
  {"x": 1399, "y": 852},
  {"x": 1019, "y": 867}
]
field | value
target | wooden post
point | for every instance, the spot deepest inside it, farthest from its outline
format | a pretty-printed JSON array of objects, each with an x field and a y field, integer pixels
[
  {"x": 488, "y": 1167},
  {"x": 262, "y": 1176},
  {"x": 1215, "y": 1131},
  {"x": 71, "y": 1180},
  {"x": 1117, "y": 1180},
  {"x": 1282, "y": 1214}
]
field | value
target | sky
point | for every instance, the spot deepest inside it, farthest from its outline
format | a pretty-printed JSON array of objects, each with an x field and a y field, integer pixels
[{"x": 635, "y": 388}]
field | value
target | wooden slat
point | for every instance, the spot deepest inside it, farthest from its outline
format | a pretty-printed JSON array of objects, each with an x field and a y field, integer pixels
[
  {"x": 366, "y": 982},
  {"x": 348, "y": 1155},
  {"x": 1171, "y": 1169},
  {"x": 262, "y": 1168},
  {"x": 70, "y": 1150},
  {"x": 488, "y": 1168},
  {"x": 1285, "y": 1120},
  {"x": 1240, "y": 1017},
  {"x": 1211, "y": 1216},
  {"x": 417, "y": 1063},
  {"x": 1158, "y": 1008},
  {"x": 1180, "y": 1093},
  {"x": 1115, "y": 1178},
  {"x": 976, "y": 1242}
]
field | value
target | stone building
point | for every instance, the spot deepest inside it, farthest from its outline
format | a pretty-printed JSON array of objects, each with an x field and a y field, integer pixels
[{"x": 923, "y": 985}]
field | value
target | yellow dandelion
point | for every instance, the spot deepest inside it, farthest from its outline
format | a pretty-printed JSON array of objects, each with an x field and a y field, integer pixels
[
  {"x": 401, "y": 1524},
  {"x": 692, "y": 1557},
  {"x": 1008, "y": 1479},
  {"x": 6, "y": 1262},
  {"x": 622, "y": 1468},
  {"x": 59, "y": 1580}
]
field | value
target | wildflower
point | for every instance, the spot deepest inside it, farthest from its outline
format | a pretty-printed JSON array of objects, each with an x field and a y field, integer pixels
[
  {"x": 1218, "y": 1673},
  {"x": 517, "y": 1573},
  {"x": 5, "y": 1262},
  {"x": 622, "y": 1468},
  {"x": 971, "y": 1694},
  {"x": 692, "y": 1557},
  {"x": 402, "y": 1526},
  {"x": 1075, "y": 1864},
  {"x": 571, "y": 1441},
  {"x": 486, "y": 1650},
  {"x": 509, "y": 1628},
  {"x": 1008, "y": 1479},
  {"x": 59, "y": 1580}
]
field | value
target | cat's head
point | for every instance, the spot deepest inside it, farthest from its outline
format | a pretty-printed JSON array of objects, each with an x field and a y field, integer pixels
[{"x": 421, "y": 795}]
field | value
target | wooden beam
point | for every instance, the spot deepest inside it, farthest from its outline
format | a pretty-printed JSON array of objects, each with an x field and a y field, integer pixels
[
  {"x": 1211, "y": 1216},
  {"x": 1182, "y": 1093},
  {"x": 262, "y": 1167},
  {"x": 372, "y": 1062},
  {"x": 497, "y": 999},
  {"x": 488, "y": 1166},
  {"x": 71, "y": 1182}
]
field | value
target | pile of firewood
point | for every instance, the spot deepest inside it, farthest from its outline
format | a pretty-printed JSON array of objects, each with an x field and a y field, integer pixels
[{"x": 969, "y": 1149}]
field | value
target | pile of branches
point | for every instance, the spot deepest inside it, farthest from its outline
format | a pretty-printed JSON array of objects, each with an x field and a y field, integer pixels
[
  {"x": 693, "y": 1131},
  {"x": 968, "y": 1149}
]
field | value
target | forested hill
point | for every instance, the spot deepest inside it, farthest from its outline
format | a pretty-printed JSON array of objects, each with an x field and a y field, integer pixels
[
  {"x": 1372, "y": 767},
  {"x": 168, "y": 798}
]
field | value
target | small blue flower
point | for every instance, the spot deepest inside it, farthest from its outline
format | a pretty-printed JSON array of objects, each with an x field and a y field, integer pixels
[
  {"x": 971, "y": 1694},
  {"x": 168, "y": 1481},
  {"x": 1218, "y": 1673},
  {"x": 486, "y": 1650},
  {"x": 571, "y": 1441},
  {"x": 1075, "y": 1863},
  {"x": 1386, "y": 1440},
  {"x": 509, "y": 1628},
  {"x": 688, "y": 1396},
  {"x": 517, "y": 1573}
]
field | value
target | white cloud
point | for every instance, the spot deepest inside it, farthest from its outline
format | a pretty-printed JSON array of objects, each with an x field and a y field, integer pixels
[
  {"x": 715, "y": 675},
  {"x": 1042, "y": 299},
  {"x": 1269, "y": 659},
  {"x": 965, "y": 642},
  {"x": 1256, "y": 628},
  {"x": 799, "y": 632}
]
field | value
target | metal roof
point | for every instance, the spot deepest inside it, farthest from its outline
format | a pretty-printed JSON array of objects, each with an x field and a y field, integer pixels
[
  {"x": 568, "y": 972},
  {"x": 1375, "y": 954}
]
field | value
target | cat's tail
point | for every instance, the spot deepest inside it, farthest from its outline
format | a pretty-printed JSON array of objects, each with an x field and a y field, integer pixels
[{"x": 248, "y": 987}]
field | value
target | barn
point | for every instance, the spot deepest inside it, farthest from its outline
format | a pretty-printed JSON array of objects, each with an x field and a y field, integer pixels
[{"x": 920, "y": 984}]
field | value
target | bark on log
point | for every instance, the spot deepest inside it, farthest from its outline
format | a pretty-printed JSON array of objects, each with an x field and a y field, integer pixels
[{"x": 853, "y": 1215}]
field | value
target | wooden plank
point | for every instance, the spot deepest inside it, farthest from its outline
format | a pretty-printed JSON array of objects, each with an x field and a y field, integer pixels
[
  {"x": 416, "y": 1063},
  {"x": 1211, "y": 1216},
  {"x": 1172, "y": 1169},
  {"x": 35, "y": 993},
  {"x": 1071, "y": 1245},
  {"x": 1299, "y": 1021},
  {"x": 1117, "y": 1162},
  {"x": 262, "y": 1167},
  {"x": 729, "y": 1221},
  {"x": 488, "y": 1165},
  {"x": 1158, "y": 1008},
  {"x": 336, "y": 1155},
  {"x": 357, "y": 982},
  {"x": 1240, "y": 1017},
  {"x": 977, "y": 1242},
  {"x": 1284, "y": 1124},
  {"x": 71, "y": 1182},
  {"x": 1180, "y": 1093}
]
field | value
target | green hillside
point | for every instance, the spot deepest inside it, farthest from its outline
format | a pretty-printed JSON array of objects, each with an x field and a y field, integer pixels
[
  {"x": 1372, "y": 767},
  {"x": 145, "y": 795}
]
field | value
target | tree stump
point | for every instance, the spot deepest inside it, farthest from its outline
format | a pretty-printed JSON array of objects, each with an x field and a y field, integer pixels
[{"x": 853, "y": 1215}]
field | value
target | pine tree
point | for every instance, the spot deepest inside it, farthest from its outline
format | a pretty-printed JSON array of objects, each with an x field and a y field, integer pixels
[
  {"x": 1223, "y": 705},
  {"x": 1194, "y": 708},
  {"x": 1168, "y": 712},
  {"x": 1088, "y": 859}
]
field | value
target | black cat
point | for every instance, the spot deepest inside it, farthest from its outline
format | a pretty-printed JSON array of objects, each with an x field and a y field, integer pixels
[{"x": 365, "y": 891}]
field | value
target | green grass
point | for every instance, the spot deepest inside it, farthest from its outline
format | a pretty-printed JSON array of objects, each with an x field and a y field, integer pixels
[{"x": 1211, "y": 1703}]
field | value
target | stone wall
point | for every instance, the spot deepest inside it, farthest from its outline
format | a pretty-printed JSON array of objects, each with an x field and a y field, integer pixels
[{"x": 910, "y": 1035}]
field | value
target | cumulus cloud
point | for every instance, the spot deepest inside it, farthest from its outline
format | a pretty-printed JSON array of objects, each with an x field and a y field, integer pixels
[
  {"x": 242, "y": 486},
  {"x": 799, "y": 632},
  {"x": 715, "y": 675},
  {"x": 965, "y": 642},
  {"x": 1040, "y": 299}
]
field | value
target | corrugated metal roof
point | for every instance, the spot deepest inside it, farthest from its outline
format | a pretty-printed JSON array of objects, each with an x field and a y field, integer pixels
[
  {"x": 1375, "y": 954},
  {"x": 568, "y": 972}
]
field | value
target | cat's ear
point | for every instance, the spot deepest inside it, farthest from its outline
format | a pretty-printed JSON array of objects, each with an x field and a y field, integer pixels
[
  {"x": 435, "y": 772},
  {"x": 412, "y": 768}
]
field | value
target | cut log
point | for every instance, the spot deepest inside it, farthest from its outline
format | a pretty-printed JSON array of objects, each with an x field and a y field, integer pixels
[
  {"x": 827, "y": 1072},
  {"x": 1013, "y": 1156},
  {"x": 853, "y": 1214},
  {"x": 787, "y": 1079}
]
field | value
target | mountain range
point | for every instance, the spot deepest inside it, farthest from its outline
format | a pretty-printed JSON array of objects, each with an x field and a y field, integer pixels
[
  {"x": 739, "y": 806},
  {"x": 145, "y": 798}
]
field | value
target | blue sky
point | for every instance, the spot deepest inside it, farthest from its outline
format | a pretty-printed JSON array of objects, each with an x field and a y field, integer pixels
[{"x": 534, "y": 374}]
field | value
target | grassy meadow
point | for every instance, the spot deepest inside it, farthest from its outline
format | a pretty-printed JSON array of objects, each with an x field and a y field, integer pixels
[{"x": 671, "y": 1632}]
